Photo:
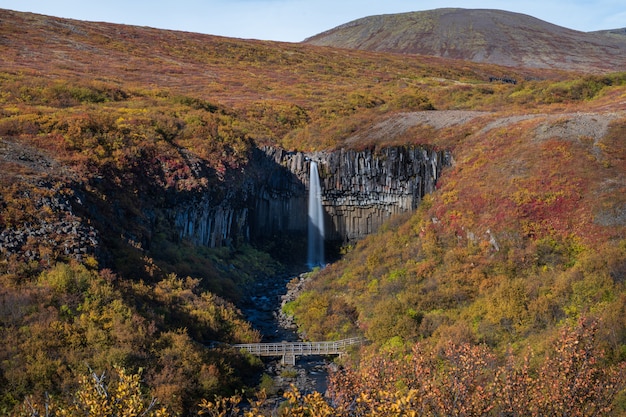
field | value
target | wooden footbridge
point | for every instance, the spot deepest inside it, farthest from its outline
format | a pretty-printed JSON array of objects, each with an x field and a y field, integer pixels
[{"x": 289, "y": 350}]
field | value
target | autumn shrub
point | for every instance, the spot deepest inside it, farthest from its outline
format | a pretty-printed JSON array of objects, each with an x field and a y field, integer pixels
[
  {"x": 66, "y": 280},
  {"x": 464, "y": 380},
  {"x": 70, "y": 316},
  {"x": 100, "y": 395},
  {"x": 195, "y": 103},
  {"x": 460, "y": 379},
  {"x": 565, "y": 91},
  {"x": 279, "y": 118},
  {"x": 584, "y": 88},
  {"x": 413, "y": 102}
]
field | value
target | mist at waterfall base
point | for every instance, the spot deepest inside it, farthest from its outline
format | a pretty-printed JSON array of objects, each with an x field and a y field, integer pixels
[{"x": 315, "y": 254}]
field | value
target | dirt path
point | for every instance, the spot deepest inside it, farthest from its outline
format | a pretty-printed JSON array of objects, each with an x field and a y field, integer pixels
[
  {"x": 399, "y": 123},
  {"x": 561, "y": 125}
]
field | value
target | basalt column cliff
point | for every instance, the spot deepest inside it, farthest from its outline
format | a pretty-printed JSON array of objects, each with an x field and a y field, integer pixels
[{"x": 360, "y": 191}]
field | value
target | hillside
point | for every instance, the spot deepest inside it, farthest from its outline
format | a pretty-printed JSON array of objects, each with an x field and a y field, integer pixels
[
  {"x": 617, "y": 33},
  {"x": 490, "y": 36},
  {"x": 111, "y": 134}
]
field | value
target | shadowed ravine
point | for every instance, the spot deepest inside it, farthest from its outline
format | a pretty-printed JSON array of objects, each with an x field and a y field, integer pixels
[
  {"x": 350, "y": 194},
  {"x": 262, "y": 309}
]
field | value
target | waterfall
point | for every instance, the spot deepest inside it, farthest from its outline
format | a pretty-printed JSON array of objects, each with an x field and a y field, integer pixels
[{"x": 316, "y": 220}]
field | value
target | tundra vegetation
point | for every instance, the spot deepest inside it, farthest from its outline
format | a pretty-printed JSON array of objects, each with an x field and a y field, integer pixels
[{"x": 503, "y": 294}]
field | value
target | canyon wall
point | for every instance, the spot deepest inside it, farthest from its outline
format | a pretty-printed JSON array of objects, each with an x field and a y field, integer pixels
[
  {"x": 264, "y": 202},
  {"x": 360, "y": 191}
]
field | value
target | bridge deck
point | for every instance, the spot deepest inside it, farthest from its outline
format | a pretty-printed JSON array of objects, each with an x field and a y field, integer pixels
[{"x": 289, "y": 350}]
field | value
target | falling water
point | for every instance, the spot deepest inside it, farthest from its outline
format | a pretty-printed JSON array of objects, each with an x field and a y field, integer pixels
[{"x": 316, "y": 220}]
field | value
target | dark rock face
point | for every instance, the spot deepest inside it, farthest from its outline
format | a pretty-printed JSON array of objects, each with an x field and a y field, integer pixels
[
  {"x": 57, "y": 232},
  {"x": 264, "y": 203},
  {"x": 211, "y": 223},
  {"x": 269, "y": 200},
  {"x": 361, "y": 190},
  {"x": 280, "y": 202}
]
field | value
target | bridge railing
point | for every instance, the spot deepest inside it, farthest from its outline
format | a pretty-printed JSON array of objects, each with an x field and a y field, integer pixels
[{"x": 300, "y": 348}]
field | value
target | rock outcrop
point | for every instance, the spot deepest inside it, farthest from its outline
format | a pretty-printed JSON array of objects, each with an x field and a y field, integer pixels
[
  {"x": 361, "y": 190},
  {"x": 211, "y": 223},
  {"x": 265, "y": 202},
  {"x": 56, "y": 232},
  {"x": 364, "y": 189}
]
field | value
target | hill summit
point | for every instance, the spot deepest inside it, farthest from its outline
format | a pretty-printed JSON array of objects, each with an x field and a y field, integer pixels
[{"x": 481, "y": 35}]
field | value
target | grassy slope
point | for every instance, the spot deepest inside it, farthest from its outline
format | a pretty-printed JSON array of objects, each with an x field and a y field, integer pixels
[
  {"x": 558, "y": 223},
  {"x": 525, "y": 232},
  {"x": 262, "y": 80}
]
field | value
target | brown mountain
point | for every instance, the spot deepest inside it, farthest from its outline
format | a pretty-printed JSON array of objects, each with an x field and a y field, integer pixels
[{"x": 491, "y": 36}]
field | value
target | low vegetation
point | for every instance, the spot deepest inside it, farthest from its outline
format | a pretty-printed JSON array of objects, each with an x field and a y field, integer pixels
[
  {"x": 458, "y": 380},
  {"x": 521, "y": 249},
  {"x": 70, "y": 319}
]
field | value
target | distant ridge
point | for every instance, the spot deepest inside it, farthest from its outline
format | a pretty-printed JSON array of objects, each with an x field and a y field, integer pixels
[
  {"x": 481, "y": 35},
  {"x": 617, "y": 33}
]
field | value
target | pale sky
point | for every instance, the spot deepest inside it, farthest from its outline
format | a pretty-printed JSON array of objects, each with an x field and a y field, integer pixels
[{"x": 295, "y": 20}]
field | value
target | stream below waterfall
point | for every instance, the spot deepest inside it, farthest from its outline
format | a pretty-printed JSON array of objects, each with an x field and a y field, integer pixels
[{"x": 261, "y": 308}]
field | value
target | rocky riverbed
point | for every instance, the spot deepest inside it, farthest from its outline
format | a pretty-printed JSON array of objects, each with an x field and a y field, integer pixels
[{"x": 263, "y": 308}]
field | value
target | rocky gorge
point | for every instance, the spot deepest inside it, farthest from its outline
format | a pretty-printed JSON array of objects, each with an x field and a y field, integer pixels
[
  {"x": 360, "y": 191},
  {"x": 264, "y": 309},
  {"x": 267, "y": 202}
]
